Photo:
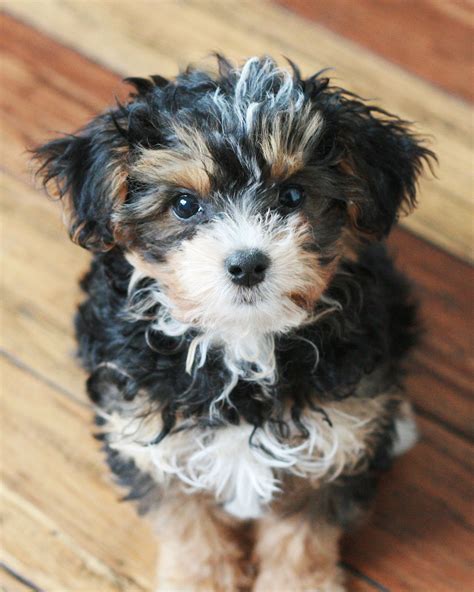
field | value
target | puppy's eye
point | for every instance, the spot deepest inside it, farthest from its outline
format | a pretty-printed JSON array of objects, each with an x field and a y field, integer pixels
[
  {"x": 291, "y": 197},
  {"x": 186, "y": 206}
]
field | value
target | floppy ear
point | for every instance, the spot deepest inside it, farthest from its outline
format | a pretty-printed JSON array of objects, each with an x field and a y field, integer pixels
[
  {"x": 385, "y": 158},
  {"x": 88, "y": 171}
]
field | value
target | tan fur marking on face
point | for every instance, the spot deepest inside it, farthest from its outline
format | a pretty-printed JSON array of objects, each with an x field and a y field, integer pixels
[
  {"x": 283, "y": 164},
  {"x": 171, "y": 166},
  {"x": 189, "y": 166},
  {"x": 194, "y": 144},
  {"x": 192, "y": 526},
  {"x": 315, "y": 285},
  {"x": 285, "y": 144},
  {"x": 165, "y": 274},
  {"x": 318, "y": 277}
]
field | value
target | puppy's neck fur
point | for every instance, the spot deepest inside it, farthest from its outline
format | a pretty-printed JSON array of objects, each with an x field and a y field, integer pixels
[{"x": 248, "y": 352}]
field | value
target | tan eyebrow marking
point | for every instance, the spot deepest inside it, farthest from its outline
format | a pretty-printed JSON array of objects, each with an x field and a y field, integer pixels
[
  {"x": 285, "y": 141},
  {"x": 190, "y": 166}
]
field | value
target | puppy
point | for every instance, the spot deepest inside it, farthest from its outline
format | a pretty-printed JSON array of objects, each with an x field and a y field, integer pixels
[{"x": 244, "y": 328}]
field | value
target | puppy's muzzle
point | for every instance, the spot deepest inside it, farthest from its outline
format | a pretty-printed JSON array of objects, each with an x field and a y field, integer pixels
[{"x": 248, "y": 267}]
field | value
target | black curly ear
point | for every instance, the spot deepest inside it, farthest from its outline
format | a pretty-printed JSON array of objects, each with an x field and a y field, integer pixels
[
  {"x": 386, "y": 158},
  {"x": 87, "y": 170}
]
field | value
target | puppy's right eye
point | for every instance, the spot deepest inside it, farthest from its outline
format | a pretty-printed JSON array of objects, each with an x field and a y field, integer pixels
[{"x": 186, "y": 206}]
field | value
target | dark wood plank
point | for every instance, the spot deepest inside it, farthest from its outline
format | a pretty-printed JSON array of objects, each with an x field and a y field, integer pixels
[
  {"x": 420, "y": 535},
  {"x": 46, "y": 89},
  {"x": 433, "y": 39},
  {"x": 440, "y": 379}
]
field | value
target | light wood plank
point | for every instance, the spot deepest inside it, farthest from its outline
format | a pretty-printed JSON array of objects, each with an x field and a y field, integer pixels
[
  {"x": 63, "y": 526},
  {"x": 8, "y": 583},
  {"x": 143, "y": 37},
  {"x": 40, "y": 285}
]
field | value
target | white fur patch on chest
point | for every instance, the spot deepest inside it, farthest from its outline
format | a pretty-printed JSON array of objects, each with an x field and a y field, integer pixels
[{"x": 242, "y": 470}]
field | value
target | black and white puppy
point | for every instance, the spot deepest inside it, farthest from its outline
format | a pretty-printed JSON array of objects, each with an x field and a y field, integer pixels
[{"x": 244, "y": 328}]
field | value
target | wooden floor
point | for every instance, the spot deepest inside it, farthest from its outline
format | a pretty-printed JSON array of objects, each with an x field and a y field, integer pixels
[{"x": 63, "y": 528}]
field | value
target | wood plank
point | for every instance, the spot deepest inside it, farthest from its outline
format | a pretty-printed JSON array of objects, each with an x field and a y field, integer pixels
[
  {"x": 420, "y": 535},
  {"x": 75, "y": 535},
  {"x": 439, "y": 46},
  {"x": 132, "y": 39},
  {"x": 40, "y": 286},
  {"x": 10, "y": 582},
  {"x": 440, "y": 377}
]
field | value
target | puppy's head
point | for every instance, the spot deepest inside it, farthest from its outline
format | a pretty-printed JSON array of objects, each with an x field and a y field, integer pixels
[{"x": 237, "y": 191}]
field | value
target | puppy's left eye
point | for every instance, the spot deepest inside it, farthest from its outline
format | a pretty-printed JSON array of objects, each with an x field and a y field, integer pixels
[
  {"x": 291, "y": 197},
  {"x": 186, "y": 206}
]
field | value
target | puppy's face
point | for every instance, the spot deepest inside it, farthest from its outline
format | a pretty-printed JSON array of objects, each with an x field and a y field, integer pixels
[{"x": 236, "y": 191}]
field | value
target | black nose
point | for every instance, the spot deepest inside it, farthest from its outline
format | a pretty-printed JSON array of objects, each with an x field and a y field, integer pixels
[{"x": 247, "y": 268}]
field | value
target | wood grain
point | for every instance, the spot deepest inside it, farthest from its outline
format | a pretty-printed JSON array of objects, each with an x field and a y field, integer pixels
[
  {"x": 440, "y": 377},
  {"x": 431, "y": 38},
  {"x": 56, "y": 496},
  {"x": 10, "y": 582},
  {"x": 420, "y": 535},
  {"x": 75, "y": 534},
  {"x": 146, "y": 37}
]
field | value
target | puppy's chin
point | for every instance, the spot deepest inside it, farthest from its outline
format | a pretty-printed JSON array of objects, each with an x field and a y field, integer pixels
[
  {"x": 248, "y": 296},
  {"x": 252, "y": 312}
]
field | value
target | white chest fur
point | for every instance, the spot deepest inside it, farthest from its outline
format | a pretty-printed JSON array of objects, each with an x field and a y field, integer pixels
[{"x": 242, "y": 470}]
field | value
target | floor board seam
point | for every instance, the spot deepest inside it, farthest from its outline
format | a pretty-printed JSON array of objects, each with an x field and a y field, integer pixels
[
  {"x": 20, "y": 578},
  {"x": 367, "y": 579},
  {"x": 446, "y": 425},
  {"x": 15, "y": 361}
]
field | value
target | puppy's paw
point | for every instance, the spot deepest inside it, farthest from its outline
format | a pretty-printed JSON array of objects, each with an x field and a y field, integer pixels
[{"x": 406, "y": 431}]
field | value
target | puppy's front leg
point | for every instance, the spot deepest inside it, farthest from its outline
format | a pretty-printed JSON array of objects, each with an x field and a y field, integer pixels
[
  {"x": 201, "y": 549},
  {"x": 297, "y": 554}
]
